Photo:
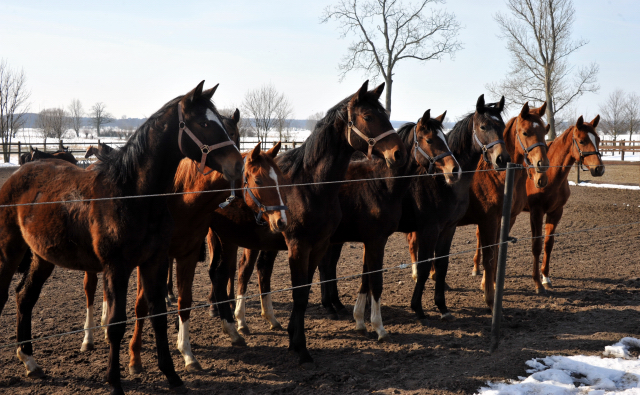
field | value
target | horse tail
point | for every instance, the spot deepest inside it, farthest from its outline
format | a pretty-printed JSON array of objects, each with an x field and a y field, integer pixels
[{"x": 203, "y": 252}]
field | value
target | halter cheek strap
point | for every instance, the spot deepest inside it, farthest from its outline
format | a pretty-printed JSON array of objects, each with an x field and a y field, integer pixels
[
  {"x": 527, "y": 150},
  {"x": 261, "y": 207},
  {"x": 487, "y": 147},
  {"x": 206, "y": 149},
  {"x": 585, "y": 154},
  {"x": 371, "y": 141},
  {"x": 432, "y": 161}
]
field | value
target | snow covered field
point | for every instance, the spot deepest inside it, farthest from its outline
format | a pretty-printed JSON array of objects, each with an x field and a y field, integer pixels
[{"x": 617, "y": 372}]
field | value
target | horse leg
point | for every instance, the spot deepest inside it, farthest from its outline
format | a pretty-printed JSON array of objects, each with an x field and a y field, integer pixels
[
  {"x": 26, "y": 297},
  {"x": 116, "y": 278},
  {"x": 425, "y": 239},
  {"x": 214, "y": 246},
  {"x": 441, "y": 266},
  {"x": 220, "y": 266},
  {"x": 553, "y": 219},
  {"x": 245, "y": 269},
  {"x": 477, "y": 257},
  {"x": 90, "y": 285},
  {"x": 135, "y": 346},
  {"x": 171, "y": 297},
  {"x": 329, "y": 289},
  {"x": 105, "y": 309},
  {"x": 154, "y": 285},
  {"x": 488, "y": 231},
  {"x": 265, "y": 269},
  {"x": 412, "y": 240},
  {"x": 361, "y": 299},
  {"x": 336, "y": 251},
  {"x": 185, "y": 271},
  {"x": 373, "y": 259},
  {"x": 12, "y": 251},
  {"x": 536, "y": 216}
]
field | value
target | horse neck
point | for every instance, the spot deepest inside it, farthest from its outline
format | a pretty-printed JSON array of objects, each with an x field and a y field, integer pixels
[
  {"x": 561, "y": 158},
  {"x": 467, "y": 153},
  {"x": 510, "y": 138},
  {"x": 326, "y": 159}
]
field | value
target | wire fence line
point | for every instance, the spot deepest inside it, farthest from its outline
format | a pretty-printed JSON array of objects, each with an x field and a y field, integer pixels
[
  {"x": 166, "y": 194},
  {"x": 347, "y": 277}
]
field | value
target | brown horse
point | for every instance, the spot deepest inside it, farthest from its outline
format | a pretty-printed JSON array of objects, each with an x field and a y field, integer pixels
[
  {"x": 358, "y": 122},
  {"x": 36, "y": 154},
  {"x": 524, "y": 138},
  {"x": 113, "y": 235},
  {"x": 100, "y": 149},
  {"x": 578, "y": 143}
]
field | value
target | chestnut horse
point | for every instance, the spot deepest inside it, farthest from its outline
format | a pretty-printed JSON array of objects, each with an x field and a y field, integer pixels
[
  {"x": 101, "y": 149},
  {"x": 578, "y": 143},
  {"x": 524, "y": 138},
  {"x": 358, "y": 122},
  {"x": 109, "y": 234},
  {"x": 372, "y": 211}
]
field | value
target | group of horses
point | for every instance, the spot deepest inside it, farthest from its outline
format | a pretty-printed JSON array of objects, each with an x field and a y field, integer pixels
[{"x": 355, "y": 179}]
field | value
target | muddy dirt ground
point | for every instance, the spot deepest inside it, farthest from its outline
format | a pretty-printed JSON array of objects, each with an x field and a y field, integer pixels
[{"x": 595, "y": 302}]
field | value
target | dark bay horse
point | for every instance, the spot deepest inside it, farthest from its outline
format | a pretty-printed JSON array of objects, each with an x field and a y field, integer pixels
[
  {"x": 372, "y": 211},
  {"x": 100, "y": 149},
  {"x": 579, "y": 143},
  {"x": 113, "y": 235},
  {"x": 359, "y": 123},
  {"x": 36, "y": 154},
  {"x": 524, "y": 137}
]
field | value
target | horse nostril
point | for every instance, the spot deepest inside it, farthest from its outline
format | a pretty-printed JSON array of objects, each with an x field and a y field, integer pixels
[
  {"x": 397, "y": 155},
  {"x": 280, "y": 223},
  {"x": 455, "y": 170}
]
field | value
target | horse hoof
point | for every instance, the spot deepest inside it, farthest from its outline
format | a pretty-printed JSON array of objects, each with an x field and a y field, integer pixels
[
  {"x": 277, "y": 327},
  {"x": 37, "y": 373},
  {"x": 117, "y": 391},
  {"x": 383, "y": 338},
  {"x": 87, "y": 347},
  {"x": 193, "y": 367},
  {"x": 541, "y": 291},
  {"x": 333, "y": 316},
  {"x": 447, "y": 317},
  {"x": 362, "y": 332},
  {"x": 135, "y": 369},
  {"x": 474, "y": 273},
  {"x": 181, "y": 389},
  {"x": 244, "y": 330},
  {"x": 239, "y": 343},
  {"x": 308, "y": 365},
  {"x": 547, "y": 286}
]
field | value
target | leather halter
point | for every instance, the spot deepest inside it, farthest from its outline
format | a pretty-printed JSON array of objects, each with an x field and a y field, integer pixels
[
  {"x": 432, "y": 161},
  {"x": 262, "y": 208},
  {"x": 585, "y": 154},
  {"x": 529, "y": 149},
  {"x": 370, "y": 140},
  {"x": 206, "y": 149},
  {"x": 487, "y": 147}
]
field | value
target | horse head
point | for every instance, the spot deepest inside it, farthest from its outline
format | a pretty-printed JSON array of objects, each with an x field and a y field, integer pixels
[
  {"x": 368, "y": 129},
  {"x": 488, "y": 130},
  {"x": 262, "y": 179},
  {"x": 205, "y": 139},
  {"x": 430, "y": 148},
  {"x": 585, "y": 145},
  {"x": 529, "y": 142},
  {"x": 232, "y": 125}
]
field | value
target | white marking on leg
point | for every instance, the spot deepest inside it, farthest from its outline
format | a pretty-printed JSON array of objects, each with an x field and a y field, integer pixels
[
  {"x": 414, "y": 271},
  {"x": 103, "y": 319},
  {"x": 274, "y": 176},
  {"x": 184, "y": 345},
  {"x": 376, "y": 318},
  {"x": 88, "y": 333},
  {"x": 28, "y": 361},
  {"x": 358, "y": 311},
  {"x": 267, "y": 311},
  {"x": 546, "y": 280},
  {"x": 230, "y": 329},
  {"x": 241, "y": 312}
]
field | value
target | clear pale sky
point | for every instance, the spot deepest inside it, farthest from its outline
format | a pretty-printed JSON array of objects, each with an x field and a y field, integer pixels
[{"x": 134, "y": 56}]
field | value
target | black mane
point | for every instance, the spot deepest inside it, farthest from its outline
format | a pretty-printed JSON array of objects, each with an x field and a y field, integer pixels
[{"x": 460, "y": 139}]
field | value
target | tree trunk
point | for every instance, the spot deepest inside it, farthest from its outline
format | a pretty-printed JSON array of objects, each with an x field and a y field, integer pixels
[
  {"x": 387, "y": 104},
  {"x": 551, "y": 120}
]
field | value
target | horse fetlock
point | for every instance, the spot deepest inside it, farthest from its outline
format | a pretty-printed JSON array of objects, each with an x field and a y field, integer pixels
[
  {"x": 358, "y": 312},
  {"x": 546, "y": 281},
  {"x": 33, "y": 370},
  {"x": 184, "y": 345},
  {"x": 267, "y": 312},
  {"x": 414, "y": 272},
  {"x": 103, "y": 318},
  {"x": 229, "y": 329},
  {"x": 376, "y": 319},
  {"x": 136, "y": 368}
]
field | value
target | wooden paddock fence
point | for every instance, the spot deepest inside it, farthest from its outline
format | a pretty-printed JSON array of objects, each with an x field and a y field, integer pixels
[{"x": 619, "y": 146}]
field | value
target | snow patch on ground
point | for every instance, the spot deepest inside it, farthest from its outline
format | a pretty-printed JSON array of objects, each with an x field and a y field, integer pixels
[
  {"x": 612, "y": 186},
  {"x": 577, "y": 374}
]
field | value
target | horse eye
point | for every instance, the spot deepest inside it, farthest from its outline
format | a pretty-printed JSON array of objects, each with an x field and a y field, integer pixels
[
  {"x": 483, "y": 128},
  {"x": 367, "y": 118},
  {"x": 203, "y": 124},
  {"x": 525, "y": 134},
  {"x": 583, "y": 142},
  {"x": 429, "y": 141},
  {"x": 258, "y": 181}
]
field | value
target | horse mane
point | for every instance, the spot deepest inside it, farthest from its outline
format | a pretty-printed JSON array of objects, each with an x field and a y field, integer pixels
[
  {"x": 405, "y": 133},
  {"x": 120, "y": 166},
  {"x": 321, "y": 140},
  {"x": 460, "y": 138}
]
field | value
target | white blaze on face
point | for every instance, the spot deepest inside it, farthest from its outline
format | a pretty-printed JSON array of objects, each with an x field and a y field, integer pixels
[
  {"x": 358, "y": 311},
  {"x": 441, "y": 135},
  {"x": 494, "y": 117},
  {"x": 536, "y": 124},
  {"x": 274, "y": 177},
  {"x": 213, "y": 117},
  {"x": 184, "y": 345},
  {"x": 593, "y": 140}
]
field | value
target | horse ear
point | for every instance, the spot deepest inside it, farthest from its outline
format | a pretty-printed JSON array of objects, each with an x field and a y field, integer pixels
[
  {"x": 580, "y": 121},
  {"x": 194, "y": 94},
  {"x": 208, "y": 94},
  {"x": 255, "y": 153},
  {"x": 426, "y": 116},
  {"x": 525, "y": 110},
  {"x": 31, "y": 148},
  {"x": 501, "y": 104},
  {"x": 440, "y": 118},
  {"x": 540, "y": 111},
  {"x": 595, "y": 121},
  {"x": 236, "y": 116},
  {"x": 480, "y": 104},
  {"x": 548, "y": 127},
  {"x": 377, "y": 91},
  {"x": 360, "y": 94},
  {"x": 273, "y": 152}
]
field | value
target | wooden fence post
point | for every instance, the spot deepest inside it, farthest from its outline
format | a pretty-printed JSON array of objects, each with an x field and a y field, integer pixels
[
  {"x": 622, "y": 150},
  {"x": 19, "y": 150},
  {"x": 578, "y": 172}
]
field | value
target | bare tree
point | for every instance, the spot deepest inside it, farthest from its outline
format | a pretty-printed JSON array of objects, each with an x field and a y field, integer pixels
[
  {"x": 538, "y": 34},
  {"x": 388, "y": 31},
  {"x": 43, "y": 125},
  {"x": 612, "y": 113},
  {"x": 100, "y": 116},
  {"x": 284, "y": 113},
  {"x": 313, "y": 119},
  {"x": 13, "y": 104},
  {"x": 632, "y": 113},
  {"x": 76, "y": 112},
  {"x": 263, "y": 105}
]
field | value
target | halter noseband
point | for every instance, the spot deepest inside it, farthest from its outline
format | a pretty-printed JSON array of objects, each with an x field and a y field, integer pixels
[
  {"x": 585, "y": 154},
  {"x": 527, "y": 150},
  {"x": 206, "y": 149},
  {"x": 371, "y": 141},
  {"x": 487, "y": 147},
  {"x": 262, "y": 208},
  {"x": 432, "y": 161}
]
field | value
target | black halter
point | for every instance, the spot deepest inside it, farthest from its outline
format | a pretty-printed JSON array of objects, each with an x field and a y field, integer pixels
[
  {"x": 262, "y": 208},
  {"x": 432, "y": 161},
  {"x": 487, "y": 147},
  {"x": 585, "y": 154},
  {"x": 527, "y": 150}
]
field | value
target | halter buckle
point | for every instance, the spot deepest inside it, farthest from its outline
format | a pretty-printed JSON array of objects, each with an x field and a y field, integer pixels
[
  {"x": 371, "y": 142},
  {"x": 205, "y": 149},
  {"x": 181, "y": 125}
]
